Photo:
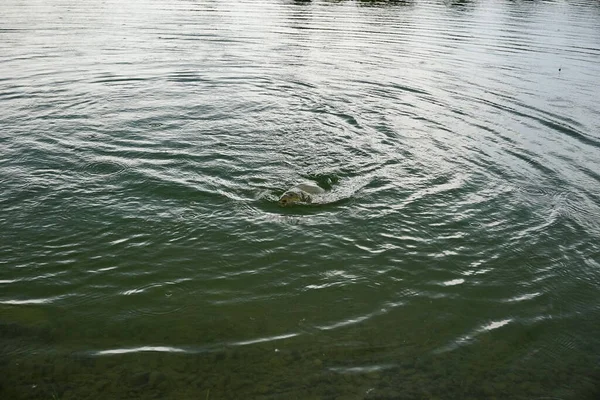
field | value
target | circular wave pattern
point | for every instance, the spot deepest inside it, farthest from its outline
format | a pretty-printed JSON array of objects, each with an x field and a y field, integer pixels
[
  {"x": 104, "y": 168},
  {"x": 453, "y": 255}
]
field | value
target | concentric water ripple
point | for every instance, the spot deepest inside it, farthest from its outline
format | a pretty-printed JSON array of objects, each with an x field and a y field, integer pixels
[{"x": 145, "y": 145}]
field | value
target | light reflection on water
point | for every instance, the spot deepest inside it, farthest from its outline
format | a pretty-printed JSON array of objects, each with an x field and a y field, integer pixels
[{"x": 144, "y": 148}]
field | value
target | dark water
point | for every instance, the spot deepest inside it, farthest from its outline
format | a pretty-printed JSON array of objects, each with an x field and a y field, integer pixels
[{"x": 144, "y": 144}]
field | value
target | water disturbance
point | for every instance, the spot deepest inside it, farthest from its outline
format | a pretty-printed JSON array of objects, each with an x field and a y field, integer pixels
[{"x": 454, "y": 255}]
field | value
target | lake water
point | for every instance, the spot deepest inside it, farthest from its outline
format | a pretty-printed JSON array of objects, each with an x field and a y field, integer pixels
[{"x": 144, "y": 145}]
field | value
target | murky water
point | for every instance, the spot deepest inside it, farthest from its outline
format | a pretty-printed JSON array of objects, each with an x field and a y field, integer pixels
[{"x": 455, "y": 254}]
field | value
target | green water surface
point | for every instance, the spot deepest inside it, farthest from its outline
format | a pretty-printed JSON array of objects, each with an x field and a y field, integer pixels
[{"x": 454, "y": 255}]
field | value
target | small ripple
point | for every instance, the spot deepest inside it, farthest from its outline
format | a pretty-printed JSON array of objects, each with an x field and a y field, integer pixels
[
  {"x": 523, "y": 297},
  {"x": 105, "y": 167},
  {"x": 384, "y": 309},
  {"x": 334, "y": 278},
  {"x": 362, "y": 369},
  {"x": 495, "y": 325},
  {"x": 100, "y": 270},
  {"x": 453, "y": 282},
  {"x": 46, "y": 300},
  {"x": 116, "y": 79},
  {"x": 155, "y": 299},
  {"x": 264, "y": 339},
  {"x": 153, "y": 286},
  {"x": 188, "y": 77},
  {"x": 554, "y": 122},
  {"x": 470, "y": 337},
  {"x": 157, "y": 349},
  {"x": 347, "y": 322}
]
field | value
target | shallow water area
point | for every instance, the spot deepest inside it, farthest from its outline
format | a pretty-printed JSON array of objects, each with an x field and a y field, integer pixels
[{"x": 145, "y": 145}]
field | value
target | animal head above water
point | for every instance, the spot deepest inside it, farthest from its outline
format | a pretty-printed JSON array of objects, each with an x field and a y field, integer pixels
[{"x": 294, "y": 197}]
